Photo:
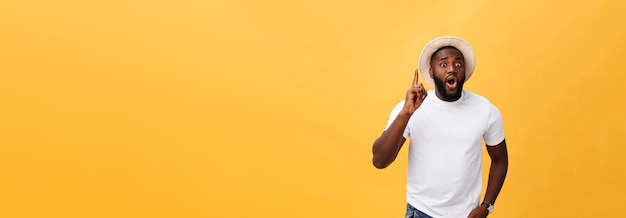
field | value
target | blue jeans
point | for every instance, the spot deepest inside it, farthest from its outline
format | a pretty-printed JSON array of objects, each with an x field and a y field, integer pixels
[{"x": 411, "y": 212}]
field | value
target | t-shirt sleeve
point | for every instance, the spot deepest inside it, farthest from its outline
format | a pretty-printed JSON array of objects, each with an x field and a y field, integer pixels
[
  {"x": 394, "y": 113},
  {"x": 495, "y": 130}
]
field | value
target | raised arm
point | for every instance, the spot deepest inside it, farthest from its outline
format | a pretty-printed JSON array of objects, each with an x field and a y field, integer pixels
[{"x": 386, "y": 147}]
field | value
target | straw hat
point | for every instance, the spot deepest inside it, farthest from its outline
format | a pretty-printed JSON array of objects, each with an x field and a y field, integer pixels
[{"x": 443, "y": 41}]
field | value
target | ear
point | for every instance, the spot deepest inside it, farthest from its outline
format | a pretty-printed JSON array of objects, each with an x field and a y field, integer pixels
[{"x": 430, "y": 72}]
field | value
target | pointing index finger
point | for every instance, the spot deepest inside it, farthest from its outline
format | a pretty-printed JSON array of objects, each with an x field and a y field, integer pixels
[{"x": 415, "y": 78}]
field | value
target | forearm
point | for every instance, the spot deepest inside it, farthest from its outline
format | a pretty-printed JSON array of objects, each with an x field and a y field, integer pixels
[
  {"x": 497, "y": 174},
  {"x": 386, "y": 147}
]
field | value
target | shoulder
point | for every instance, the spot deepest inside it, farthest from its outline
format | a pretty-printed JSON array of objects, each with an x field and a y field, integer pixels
[
  {"x": 399, "y": 105},
  {"x": 477, "y": 99},
  {"x": 397, "y": 108},
  {"x": 473, "y": 97},
  {"x": 481, "y": 102}
]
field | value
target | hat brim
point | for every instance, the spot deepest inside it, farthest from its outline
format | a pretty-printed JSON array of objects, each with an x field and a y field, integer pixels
[{"x": 430, "y": 48}]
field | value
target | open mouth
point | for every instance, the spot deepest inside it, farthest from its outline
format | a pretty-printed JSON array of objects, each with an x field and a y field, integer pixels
[{"x": 451, "y": 82}]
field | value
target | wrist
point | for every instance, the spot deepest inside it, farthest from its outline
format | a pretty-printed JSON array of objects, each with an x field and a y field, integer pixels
[
  {"x": 404, "y": 115},
  {"x": 488, "y": 206}
]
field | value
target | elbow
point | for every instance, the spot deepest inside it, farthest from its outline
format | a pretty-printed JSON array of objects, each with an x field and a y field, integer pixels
[
  {"x": 501, "y": 163},
  {"x": 379, "y": 164},
  {"x": 501, "y": 160}
]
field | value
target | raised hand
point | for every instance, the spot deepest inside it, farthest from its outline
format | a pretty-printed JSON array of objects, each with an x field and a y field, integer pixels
[{"x": 414, "y": 95}]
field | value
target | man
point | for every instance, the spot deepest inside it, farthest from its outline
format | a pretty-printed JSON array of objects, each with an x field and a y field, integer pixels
[{"x": 446, "y": 127}]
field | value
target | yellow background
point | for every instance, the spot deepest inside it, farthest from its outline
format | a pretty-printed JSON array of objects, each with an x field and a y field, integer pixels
[{"x": 269, "y": 108}]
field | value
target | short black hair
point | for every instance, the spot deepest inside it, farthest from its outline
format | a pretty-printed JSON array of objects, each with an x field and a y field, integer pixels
[{"x": 442, "y": 48}]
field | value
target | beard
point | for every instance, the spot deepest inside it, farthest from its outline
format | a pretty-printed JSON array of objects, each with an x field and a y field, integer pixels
[{"x": 441, "y": 89}]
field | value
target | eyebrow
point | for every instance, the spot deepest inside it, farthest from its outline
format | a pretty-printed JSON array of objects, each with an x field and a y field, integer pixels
[{"x": 456, "y": 58}]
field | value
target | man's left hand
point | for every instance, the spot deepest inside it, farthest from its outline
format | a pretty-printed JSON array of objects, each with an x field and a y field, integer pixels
[{"x": 479, "y": 212}]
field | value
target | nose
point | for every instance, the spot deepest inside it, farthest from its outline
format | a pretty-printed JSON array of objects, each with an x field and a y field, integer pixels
[{"x": 451, "y": 69}]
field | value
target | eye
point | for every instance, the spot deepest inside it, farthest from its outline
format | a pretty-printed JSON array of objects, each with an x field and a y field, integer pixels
[
  {"x": 443, "y": 65},
  {"x": 457, "y": 64}
]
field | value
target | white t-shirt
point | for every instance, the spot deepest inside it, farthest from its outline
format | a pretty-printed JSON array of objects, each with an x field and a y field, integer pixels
[{"x": 445, "y": 153}]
